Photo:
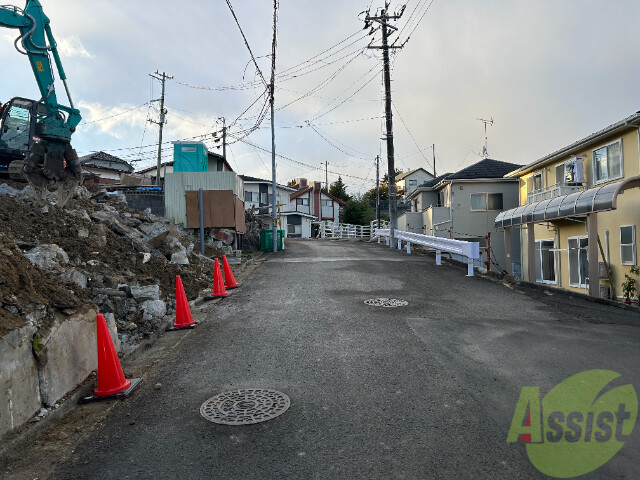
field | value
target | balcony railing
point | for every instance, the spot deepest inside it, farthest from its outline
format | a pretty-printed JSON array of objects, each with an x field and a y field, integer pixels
[{"x": 553, "y": 191}]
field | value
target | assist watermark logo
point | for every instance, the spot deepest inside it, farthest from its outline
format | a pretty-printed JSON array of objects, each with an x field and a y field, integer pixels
[{"x": 578, "y": 427}]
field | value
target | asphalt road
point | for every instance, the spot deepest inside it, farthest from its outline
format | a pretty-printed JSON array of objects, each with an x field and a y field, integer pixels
[{"x": 418, "y": 392}]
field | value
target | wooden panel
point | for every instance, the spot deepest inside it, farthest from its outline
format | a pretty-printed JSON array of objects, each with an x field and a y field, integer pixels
[
  {"x": 193, "y": 212},
  {"x": 240, "y": 224},
  {"x": 220, "y": 208}
]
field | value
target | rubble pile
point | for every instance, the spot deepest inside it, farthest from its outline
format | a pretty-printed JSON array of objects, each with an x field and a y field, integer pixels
[{"x": 96, "y": 250}]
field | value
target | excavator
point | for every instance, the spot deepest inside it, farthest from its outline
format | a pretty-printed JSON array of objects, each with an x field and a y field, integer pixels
[{"x": 35, "y": 136}]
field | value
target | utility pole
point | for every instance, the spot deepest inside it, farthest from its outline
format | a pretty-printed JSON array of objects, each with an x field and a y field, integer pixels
[
  {"x": 434, "y": 159},
  {"x": 161, "y": 122},
  {"x": 326, "y": 175},
  {"x": 273, "y": 131},
  {"x": 224, "y": 138},
  {"x": 383, "y": 19},
  {"x": 378, "y": 189}
]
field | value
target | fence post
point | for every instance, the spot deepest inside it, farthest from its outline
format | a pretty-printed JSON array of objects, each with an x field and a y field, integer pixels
[
  {"x": 469, "y": 267},
  {"x": 409, "y": 248},
  {"x": 378, "y": 239},
  {"x": 438, "y": 257},
  {"x": 387, "y": 240},
  {"x": 399, "y": 244}
]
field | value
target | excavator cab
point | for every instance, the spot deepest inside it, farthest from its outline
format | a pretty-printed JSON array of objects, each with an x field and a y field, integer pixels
[{"x": 17, "y": 126}]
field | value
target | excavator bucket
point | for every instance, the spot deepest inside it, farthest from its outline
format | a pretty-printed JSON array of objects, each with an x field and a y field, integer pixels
[{"x": 53, "y": 170}]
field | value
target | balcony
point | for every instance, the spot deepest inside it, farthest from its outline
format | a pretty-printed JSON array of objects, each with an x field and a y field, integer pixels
[{"x": 553, "y": 191}]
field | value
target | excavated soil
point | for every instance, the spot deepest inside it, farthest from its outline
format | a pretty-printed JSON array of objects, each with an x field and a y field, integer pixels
[{"x": 25, "y": 224}]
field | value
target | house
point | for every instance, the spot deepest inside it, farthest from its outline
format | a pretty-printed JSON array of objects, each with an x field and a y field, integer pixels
[
  {"x": 578, "y": 212},
  {"x": 314, "y": 201},
  {"x": 106, "y": 168},
  {"x": 257, "y": 197},
  {"x": 463, "y": 205},
  {"x": 407, "y": 182},
  {"x": 151, "y": 172}
]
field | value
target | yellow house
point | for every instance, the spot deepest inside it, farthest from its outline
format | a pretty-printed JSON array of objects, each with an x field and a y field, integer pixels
[{"x": 579, "y": 212}]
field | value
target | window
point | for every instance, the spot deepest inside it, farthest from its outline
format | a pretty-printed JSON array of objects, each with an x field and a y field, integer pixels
[
  {"x": 327, "y": 203},
  {"x": 607, "y": 162},
  {"x": 628, "y": 245},
  {"x": 578, "y": 261},
  {"x": 294, "y": 229},
  {"x": 537, "y": 182},
  {"x": 413, "y": 183},
  {"x": 264, "y": 198},
  {"x": 486, "y": 201},
  {"x": 251, "y": 197},
  {"x": 545, "y": 261},
  {"x": 302, "y": 201}
]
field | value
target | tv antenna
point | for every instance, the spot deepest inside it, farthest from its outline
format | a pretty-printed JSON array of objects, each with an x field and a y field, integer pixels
[{"x": 485, "y": 153}]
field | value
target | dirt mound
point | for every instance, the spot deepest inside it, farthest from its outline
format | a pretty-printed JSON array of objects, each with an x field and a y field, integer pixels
[{"x": 106, "y": 251}]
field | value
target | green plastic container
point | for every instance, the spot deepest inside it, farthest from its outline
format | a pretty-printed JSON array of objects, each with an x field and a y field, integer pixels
[{"x": 266, "y": 239}]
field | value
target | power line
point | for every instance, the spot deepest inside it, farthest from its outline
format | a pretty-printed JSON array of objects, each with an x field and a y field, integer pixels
[
  {"x": 352, "y": 95},
  {"x": 117, "y": 114},
  {"x": 247, "y": 43},
  {"x": 410, "y": 134}
]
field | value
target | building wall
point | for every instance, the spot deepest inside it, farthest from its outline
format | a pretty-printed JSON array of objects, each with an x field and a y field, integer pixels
[
  {"x": 469, "y": 224},
  {"x": 627, "y": 213},
  {"x": 178, "y": 183},
  {"x": 282, "y": 196},
  {"x": 411, "y": 222},
  {"x": 420, "y": 178},
  {"x": 425, "y": 200}
]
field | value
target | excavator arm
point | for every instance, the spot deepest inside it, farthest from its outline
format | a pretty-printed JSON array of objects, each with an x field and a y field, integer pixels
[{"x": 51, "y": 161}]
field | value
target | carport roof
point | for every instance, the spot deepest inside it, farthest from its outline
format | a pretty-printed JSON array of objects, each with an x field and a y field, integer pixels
[{"x": 578, "y": 204}]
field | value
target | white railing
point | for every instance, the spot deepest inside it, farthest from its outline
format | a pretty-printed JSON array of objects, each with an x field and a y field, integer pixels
[
  {"x": 344, "y": 230},
  {"x": 553, "y": 191},
  {"x": 470, "y": 250}
]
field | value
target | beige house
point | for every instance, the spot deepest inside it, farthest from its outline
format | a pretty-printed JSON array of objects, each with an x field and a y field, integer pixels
[{"x": 578, "y": 214}]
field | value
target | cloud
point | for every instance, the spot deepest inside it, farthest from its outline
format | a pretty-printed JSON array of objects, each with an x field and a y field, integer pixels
[{"x": 73, "y": 47}]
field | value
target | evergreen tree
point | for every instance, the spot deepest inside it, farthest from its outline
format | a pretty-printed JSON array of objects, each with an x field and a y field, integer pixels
[{"x": 339, "y": 190}]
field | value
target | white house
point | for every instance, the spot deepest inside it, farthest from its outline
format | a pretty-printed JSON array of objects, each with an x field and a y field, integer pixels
[
  {"x": 409, "y": 181},
  {"x": 313, "y": 200}
]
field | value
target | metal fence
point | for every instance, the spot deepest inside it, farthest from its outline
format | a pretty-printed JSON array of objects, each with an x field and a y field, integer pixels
[{"x": 469, "y": 250}]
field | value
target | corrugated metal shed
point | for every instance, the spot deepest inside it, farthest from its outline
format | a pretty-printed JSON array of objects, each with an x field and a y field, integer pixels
[{"x": 178, "y": 183}]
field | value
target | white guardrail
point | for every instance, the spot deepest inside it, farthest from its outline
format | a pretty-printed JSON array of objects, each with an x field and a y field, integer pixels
[{"x": 470, "y": 250}]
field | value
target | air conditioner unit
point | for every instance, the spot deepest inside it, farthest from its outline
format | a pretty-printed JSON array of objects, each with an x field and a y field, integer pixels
[
  {"x": 604, "y": 291},
  {"x": 602, "y": 270}
]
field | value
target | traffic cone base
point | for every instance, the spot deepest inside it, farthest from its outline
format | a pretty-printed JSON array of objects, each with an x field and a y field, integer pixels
[
  {"x": 183, "y": 312},
  {"x": 218, "y": 284},
  {"x": 186, "y": 327},
  {"x": 134, "y": 382},
  {"x": 229, "y": 280}
]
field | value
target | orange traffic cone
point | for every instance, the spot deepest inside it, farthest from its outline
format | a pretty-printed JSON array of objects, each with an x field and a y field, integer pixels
[
  {"x": 229, "y": 280},
  {"x": 183, "y": 313},
  {"x": 111, "y": 381},
  {"x": 218, "y": 284}
]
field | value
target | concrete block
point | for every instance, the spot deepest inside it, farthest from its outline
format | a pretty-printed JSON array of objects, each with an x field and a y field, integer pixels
[
  {"x": 180, "y": 258},
  {"x": 68, "y": 355},
  {"x": 156, "y": 237},
  {"x": 148, "y": 292},
  {"x": 19, "y": 392},
  {"x": 147, "y": 228},
  {"x": 154, "y": 311},
  {"x": 48, "y": 257},
  {"x": 76, "y": 277}
]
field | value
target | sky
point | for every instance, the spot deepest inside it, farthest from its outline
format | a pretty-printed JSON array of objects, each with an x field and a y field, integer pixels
[{"x": 548, "y": 72}]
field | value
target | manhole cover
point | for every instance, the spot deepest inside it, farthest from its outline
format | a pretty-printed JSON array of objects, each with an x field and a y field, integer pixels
[
  {"x": 244, "y": 407},
  {"x": 386, "y": 302}
]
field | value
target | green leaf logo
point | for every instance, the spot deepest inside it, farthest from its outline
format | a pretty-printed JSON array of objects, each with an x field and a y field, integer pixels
[{"x": 584, "y": 424}]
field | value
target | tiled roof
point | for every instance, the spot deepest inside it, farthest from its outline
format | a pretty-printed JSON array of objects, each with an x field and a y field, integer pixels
[
  {"x": 435, "y": 181},
  {"x": 486, "y": 168},
  {"x": 105, "y": 157}
]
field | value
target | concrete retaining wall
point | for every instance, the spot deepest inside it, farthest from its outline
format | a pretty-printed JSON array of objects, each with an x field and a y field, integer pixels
[
  {"x": 37, "y": 372},
  {"x": 19, "y": 390}
]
